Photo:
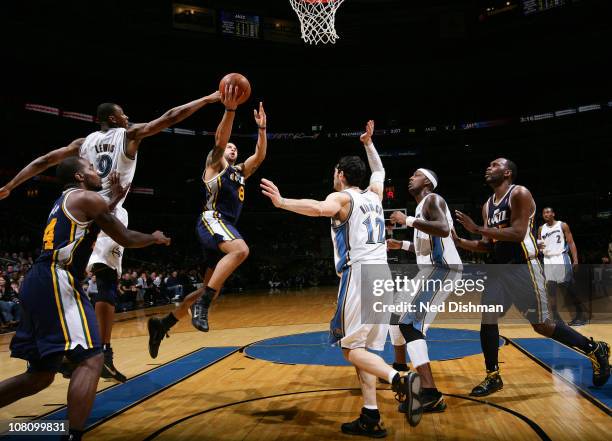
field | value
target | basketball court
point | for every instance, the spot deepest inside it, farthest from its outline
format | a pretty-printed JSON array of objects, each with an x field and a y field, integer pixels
[{"x": 266, "y": 372}]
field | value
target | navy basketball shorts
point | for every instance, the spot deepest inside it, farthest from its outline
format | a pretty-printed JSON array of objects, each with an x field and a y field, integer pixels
[
  {"x": 522, "y": 285},
  {"x": 57, "y": 320},
  {"x": 212, "y": 229}
]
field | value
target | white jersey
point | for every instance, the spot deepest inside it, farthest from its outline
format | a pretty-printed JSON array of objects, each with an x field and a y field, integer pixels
[
  {"x": 362, "y": 236},
  {"x": 554, "y": 239},
  {"x": 431, "y": 250},
  {"x": 106, "y": 151}
]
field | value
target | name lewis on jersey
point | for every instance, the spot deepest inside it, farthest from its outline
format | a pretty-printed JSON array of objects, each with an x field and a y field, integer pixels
[{"x": 102, "y": 148}]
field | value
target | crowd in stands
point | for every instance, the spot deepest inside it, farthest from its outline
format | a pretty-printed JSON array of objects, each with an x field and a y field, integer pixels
[{"x": 293, "y": 262}]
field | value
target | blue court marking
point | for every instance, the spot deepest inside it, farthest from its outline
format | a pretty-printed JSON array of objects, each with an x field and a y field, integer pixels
[
  {"x": 569, "y": 364},
  {"x": 313, "y": 347},
  {"x": 122, "y": 396}
]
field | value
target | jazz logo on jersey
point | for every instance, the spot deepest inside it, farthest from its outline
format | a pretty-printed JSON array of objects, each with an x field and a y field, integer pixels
[
  {"x": 237, "y": 177},
  {"x": 498, "y": 217}
]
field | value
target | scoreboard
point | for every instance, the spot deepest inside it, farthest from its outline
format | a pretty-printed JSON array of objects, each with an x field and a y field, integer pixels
[
  {"x": 534, "y": 6},
  {"x": 239, "y": 25}
]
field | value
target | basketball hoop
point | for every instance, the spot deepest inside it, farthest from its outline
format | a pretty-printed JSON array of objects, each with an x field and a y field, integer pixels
[{"x": 317, "y": 19}]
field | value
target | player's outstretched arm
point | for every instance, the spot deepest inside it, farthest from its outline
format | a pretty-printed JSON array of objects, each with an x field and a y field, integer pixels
[
  {"x": 522, "y": 205},
  {"x": 254, "y": 161},
  {"x": 377, "y": 180},
  {"x": 230, "y": 99},
  {"x": 173, "y": 116},
  {"x": 308, "y": 207},
  {"x": 41, "y": 164},
  {"x": 569, "y": 238},
  {"x": 483, "y": 245},
  {"x": 93, "y": 206}
]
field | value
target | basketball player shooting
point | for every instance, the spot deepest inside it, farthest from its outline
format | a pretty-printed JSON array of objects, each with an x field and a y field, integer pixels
[
  {"x": 509, "y": 218},
  {"x": 359, "y": 212},
  {"x": 223, "y": 246},
  {"x": 113, "y": 148},
  {"x": 58, "y": 318}
]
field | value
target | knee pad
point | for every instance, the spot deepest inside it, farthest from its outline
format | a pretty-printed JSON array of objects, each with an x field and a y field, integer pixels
[
  {"x": 410, "y": 333},
  {"x": 106, "y": 281}
]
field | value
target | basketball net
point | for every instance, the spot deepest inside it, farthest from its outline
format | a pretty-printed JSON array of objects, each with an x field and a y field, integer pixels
[{"x": 317, "y": 19}]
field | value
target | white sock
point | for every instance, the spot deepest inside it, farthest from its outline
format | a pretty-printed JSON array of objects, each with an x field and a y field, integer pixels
[
  {"x": 417, "y": 351},
  {"x": 391, "y": 376},
  {"x": 371, "y": 407}
]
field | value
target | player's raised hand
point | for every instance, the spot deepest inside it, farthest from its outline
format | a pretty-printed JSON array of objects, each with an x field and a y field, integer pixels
[
  {"x": 397, "y": 217},
  {"x": 269, "y": 189},
  {"x": 467, "y": 222},
  {"x": 231, "y": 96},
  {"x": 366, "y": 137},
  {"x": 4, "y": 193},
  {"x": 160, "y": 238},
  {"x": 393, "y": 244},
  {"x": 260, "y": 116}
]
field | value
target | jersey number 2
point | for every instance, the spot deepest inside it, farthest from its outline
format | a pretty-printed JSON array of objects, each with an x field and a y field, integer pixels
[
  {"x": 381, "y": 230},
  {"x": 49, "y": 234}
]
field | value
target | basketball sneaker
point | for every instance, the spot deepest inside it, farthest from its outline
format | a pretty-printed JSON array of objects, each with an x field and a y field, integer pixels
[
  {"x": 600, "y": 358},
  {"x": 492, "y": 383},
  {"x": 199, "y": 316},
  {"x": 109, "y": 370},
  {"x": 407, "y": 388},
  {"x": 577, "y": 322},
  {"x": 157, "y": 332},
  {"x": 433, "y": 401},
  {"x": 365, "y": 426}
]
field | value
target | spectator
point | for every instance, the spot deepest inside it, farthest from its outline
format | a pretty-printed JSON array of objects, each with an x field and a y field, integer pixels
[
  {"x": 9, "y": 304},
  {"x": 127, "y": 293},
  {"x": 174, "y": 287}
]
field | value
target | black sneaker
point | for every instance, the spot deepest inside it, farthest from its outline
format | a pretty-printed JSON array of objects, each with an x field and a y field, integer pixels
[
  {"x": 433, "y": 402},
  {"x": 365, "y": 426},
  {"x": 407, "y": 388},
  {"x": 157, "y": 332},
  {"x": 400, "y": 367},
  {"x": 577, "y": 322},
  {"x": 199, "y": 316},
  {"x": 109, "y": 370},
  {"x": 600, "y": 358},
  {"x": 492, "y": 383}
]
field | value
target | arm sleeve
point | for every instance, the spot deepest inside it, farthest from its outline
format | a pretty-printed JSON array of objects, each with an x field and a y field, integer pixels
[{"x": 378, "y": 171}]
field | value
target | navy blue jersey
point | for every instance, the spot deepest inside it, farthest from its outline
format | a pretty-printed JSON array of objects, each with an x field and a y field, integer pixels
[
  {"x": 499, "y": 215},
  {"x": 67, "y": 242},
  {"x": 224, "y": 194}
]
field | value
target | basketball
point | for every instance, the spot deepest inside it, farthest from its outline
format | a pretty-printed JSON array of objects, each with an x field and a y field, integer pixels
[{"x": 239, "y": 81}]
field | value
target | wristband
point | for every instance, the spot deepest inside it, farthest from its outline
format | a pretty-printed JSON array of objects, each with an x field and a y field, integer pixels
[
  {"x": 262, "y": 128},
  {"x": 410, "y": 221},
  {"x": 230, "y": 110},
  {"x": 406, "y": 245}
]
